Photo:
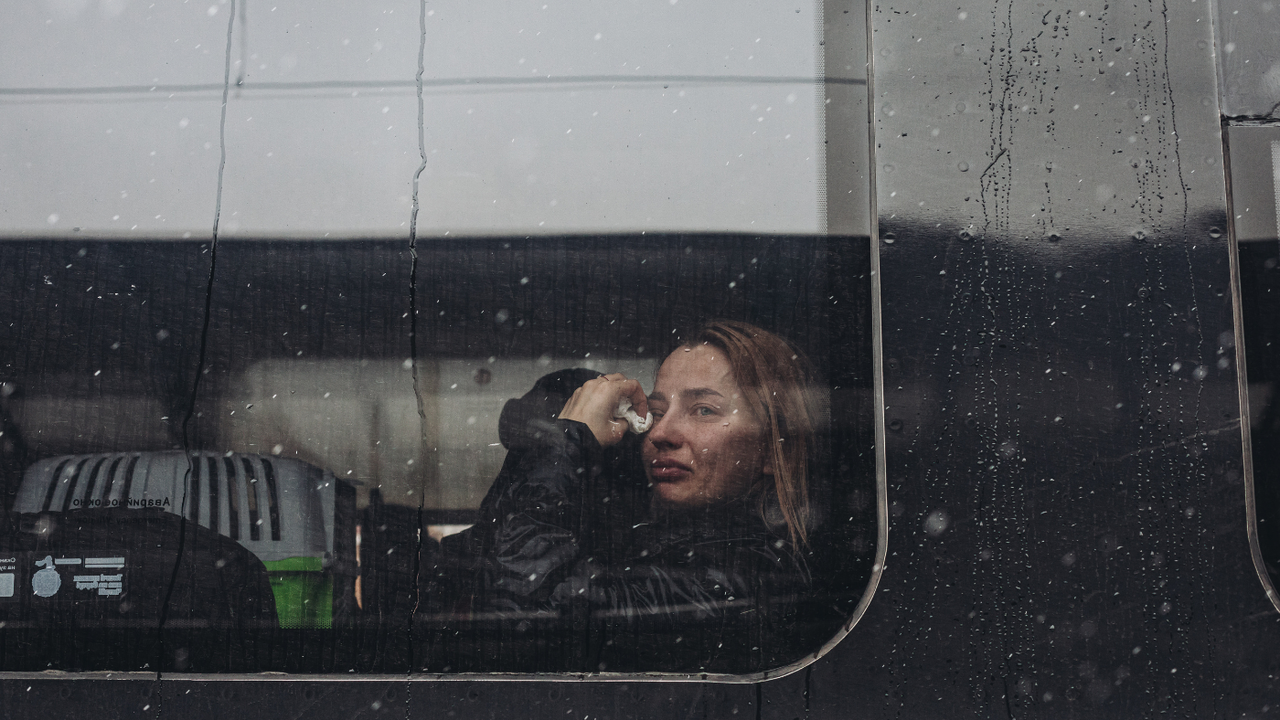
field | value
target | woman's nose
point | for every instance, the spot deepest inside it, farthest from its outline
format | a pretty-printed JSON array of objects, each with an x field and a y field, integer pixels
[{"x": 663, "y": 433}]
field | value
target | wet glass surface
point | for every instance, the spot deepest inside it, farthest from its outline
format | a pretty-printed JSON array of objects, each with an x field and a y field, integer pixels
[
  {"x": 1069, "y": 532},
  {"x": 537, "y": 119},
  {"x": 1057, "y": 302},
  {"x": 1255, "y": 153},
  {"x": 278, "y": 278},
  {"x": 1247, "y": 58},
  {"x": 309, "y": 446}
]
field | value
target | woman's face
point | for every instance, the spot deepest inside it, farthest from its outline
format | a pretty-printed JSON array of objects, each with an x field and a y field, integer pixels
[{"x": 706, "y": 445}]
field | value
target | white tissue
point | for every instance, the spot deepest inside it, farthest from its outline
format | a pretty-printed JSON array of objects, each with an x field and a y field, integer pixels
[{"x": 639, "y": 425}]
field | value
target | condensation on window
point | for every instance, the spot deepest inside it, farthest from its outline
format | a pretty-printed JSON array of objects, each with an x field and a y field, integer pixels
[
  {"x": 564, "y": 118},
  {"x": 230, "y": 447},
  {"x": 1255, "y": 158}
]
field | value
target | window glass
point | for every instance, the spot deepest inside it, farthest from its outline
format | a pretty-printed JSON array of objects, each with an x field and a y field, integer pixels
[
  {"x": 541, "y": 118},
  {"x": 329, "y": 377},
  {"x": 1248, "y": 66},
  {"x": 1255, "y": 156}
]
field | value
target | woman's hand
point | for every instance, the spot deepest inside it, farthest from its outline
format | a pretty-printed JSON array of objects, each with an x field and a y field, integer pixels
[{"x": 594, "y": 403}]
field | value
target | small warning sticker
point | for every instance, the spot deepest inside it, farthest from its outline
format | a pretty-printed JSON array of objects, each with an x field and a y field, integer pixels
[
  {"x": 104, "y": 584},
  {"x": 102, "y": 576},
  {"x": 8, "y": 577},
  {"x": 47, "y": 582}
]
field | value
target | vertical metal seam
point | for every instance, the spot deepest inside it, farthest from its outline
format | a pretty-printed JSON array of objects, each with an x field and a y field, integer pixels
[{"x": 877, "y": 340}]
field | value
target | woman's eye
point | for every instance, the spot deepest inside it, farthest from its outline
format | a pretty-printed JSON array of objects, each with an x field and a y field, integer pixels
[{"x": 703, "y": 411}]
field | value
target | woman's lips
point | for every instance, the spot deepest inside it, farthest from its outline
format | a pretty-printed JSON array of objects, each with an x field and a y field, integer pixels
[{"x": 668, "y": 470}]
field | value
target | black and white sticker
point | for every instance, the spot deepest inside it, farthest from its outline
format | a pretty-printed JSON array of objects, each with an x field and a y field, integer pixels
[
  {"x": 102, "y": 576},
  {"x": 8, "y": 577}
]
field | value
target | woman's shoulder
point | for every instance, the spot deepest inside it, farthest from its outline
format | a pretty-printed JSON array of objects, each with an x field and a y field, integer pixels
[{"x": 736, "y": 541}]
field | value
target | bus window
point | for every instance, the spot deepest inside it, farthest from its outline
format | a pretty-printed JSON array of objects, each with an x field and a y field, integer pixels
[
  {"x": 1246, "y": 61},
  {"x": 1254, "y": 155},
  {"x": 323, "y": 331}
]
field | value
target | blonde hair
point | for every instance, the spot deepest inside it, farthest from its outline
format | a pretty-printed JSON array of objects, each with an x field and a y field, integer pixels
[{"x": 778, "y": 383}]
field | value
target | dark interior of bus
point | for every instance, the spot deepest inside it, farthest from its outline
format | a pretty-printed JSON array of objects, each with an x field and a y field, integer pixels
[
  {"x": 277, "y": 366},
  {"x": 1260, "y": 296}
]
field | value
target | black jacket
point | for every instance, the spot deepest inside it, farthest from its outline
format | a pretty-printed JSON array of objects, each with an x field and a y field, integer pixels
[
  {"x": 556, "y": 543},
  {"x": 566, "y": 535}
]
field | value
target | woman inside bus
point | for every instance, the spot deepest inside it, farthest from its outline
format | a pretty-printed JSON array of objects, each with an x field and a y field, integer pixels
[{"x": 735, "y": 436}]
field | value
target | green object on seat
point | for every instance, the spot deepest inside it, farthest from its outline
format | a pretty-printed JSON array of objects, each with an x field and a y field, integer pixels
[{"x": 303, "y": 591}]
